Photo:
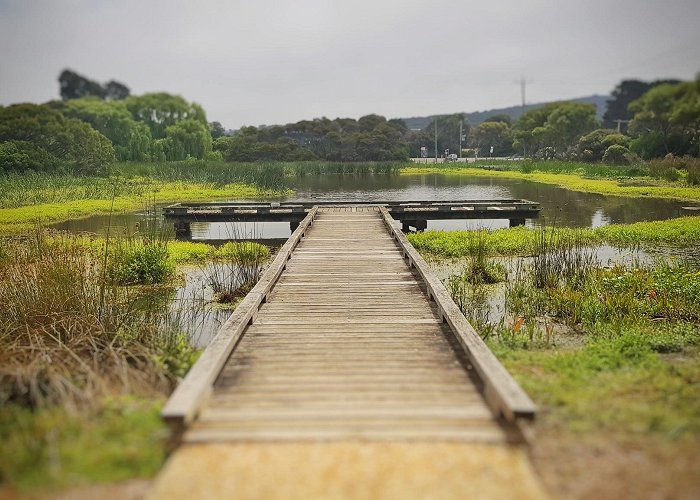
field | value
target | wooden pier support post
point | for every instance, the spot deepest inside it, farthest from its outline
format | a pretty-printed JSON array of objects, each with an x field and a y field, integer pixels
[
  {"x": 183, "y": 231},
  {"x": 418, "y": 225},
  {"x": 293, "y": 225},
  {"x": 516, "y": 222}
]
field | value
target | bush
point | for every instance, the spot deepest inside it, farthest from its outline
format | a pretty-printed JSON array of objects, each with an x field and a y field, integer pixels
[
  {"x": 20, "y": 156},
  {"x": 236, "y": 269},
  {"x": 141, "y": 263},
  {"x": 671, "y": 166},
  {"x": 664, "y": 169},
  {"x": 617, "y": 155},
  {"x": 694, "y": 173},
  {"x": 592, "y": 146}
]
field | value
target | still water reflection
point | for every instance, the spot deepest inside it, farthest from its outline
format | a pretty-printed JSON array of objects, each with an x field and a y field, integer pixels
[{"x": 559, "y": 206}]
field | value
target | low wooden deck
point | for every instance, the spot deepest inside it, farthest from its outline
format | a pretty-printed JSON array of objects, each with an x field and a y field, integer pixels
[
  {"x": 348, "y": 336},
  {"x": 414, "y": 214}
]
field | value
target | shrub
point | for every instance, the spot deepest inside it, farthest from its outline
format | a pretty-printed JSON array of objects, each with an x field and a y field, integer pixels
[
  {"x": 236, "y": 269},
  {"x": 617, "y": 155},
  {"x": 694, "y": 173},
  {"x": 592, "y": 146},
  {"x": 664, "y": 169},
  {"x": 69, "y": 335},
  {"x": 688, "y": 163},
  {"x": 137, "y": 262},
  {"x": 20, "y": 156}
]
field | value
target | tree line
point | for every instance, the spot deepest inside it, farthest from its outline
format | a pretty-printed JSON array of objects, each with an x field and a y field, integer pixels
[
  {"x": 643, "y": 120},
  {"x": 95, "y": 124}
]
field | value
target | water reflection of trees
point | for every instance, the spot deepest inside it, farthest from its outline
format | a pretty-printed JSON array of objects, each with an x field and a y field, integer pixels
[{"x": 560, "y": 206}]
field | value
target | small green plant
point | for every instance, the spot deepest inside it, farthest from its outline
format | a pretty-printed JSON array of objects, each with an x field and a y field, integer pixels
[
  {"x": 236, "y": 269},
  {"x": 141, "y": 262},
  {"x": 559, "y": 256},
  {"x": 481, "y": 269}
]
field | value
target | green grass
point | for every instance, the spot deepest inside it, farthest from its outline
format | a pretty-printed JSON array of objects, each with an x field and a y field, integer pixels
[
  {"x": 616, "y": 296},
  {"x": 572, "y": 179},
  {"x": 327, "y": 167},
  {"x": 28, "y": 199},
  {"x": 52, "y": 448},
  {"x": 618, "y": 384},
  {"x": 20, "y": 220},
  {"x": 86, "y": 363},
  {"x": 681, "y": 232},
  {"x": 263, "y": 175},
  {"x": 584, "y": 169}
]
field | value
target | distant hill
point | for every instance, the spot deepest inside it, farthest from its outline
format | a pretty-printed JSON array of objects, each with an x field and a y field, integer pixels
[{"x": 476, "y": 117}]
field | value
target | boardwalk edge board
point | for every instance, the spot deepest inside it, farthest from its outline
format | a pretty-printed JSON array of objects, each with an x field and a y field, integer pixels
[
  {"x": 502, "y": 393},
  {"x": 183, "y": 405}
]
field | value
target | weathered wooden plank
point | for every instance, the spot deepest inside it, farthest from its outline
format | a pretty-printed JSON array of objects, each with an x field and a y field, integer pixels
[
  {"x": 435, "y": 412},
  {"x": 183, "y": 404},
  {"x": 501, "y": 391},
  {"x": 345, "y": 345},
  {"x": 388, "y": 433}
]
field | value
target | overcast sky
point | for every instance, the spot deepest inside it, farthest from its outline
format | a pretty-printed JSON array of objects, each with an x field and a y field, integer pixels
[{"x": 262, "y": 62}]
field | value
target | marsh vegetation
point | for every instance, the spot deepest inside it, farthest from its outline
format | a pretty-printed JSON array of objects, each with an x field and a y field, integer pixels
[
  {"x": 609, "y": 351},
  {"x": 90, "y": 341}
]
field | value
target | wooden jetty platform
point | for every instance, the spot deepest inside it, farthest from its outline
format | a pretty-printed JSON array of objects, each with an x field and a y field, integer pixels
[
  {"x": 415, "y": 214},
  {"x": 348, "y": 336}
]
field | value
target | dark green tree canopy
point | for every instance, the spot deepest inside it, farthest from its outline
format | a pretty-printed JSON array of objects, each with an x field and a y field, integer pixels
[
  {"x": 499, "y": 118},
  {"x": 555, "y": 127},
  {"x": 592, "y": 146},
  {"x": 217, "y": 130},
  {"x": 371, "y": 137},
  {"x": 624, "y": 93},
  {"x": 492, "y": 133},
  {"x": 74, "y": 86},
  {"x": 448, "y": 127},
  {"x": 116, "y": 91},
  {"x": 185, "y": 138},
  {"x": 160, "y": 110},
  {"x": 131, "y": 139},
  {"x": 667, "y": 120},
  {"x": 38, "y": 131}
]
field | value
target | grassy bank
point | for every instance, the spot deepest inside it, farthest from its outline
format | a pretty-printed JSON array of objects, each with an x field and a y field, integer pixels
[
  {"x": 681, "y": 232},
  {"x": 90, "y": 348},
  {"x": 49, "y": 198},
  {"x": 610, "y": 355},
  {"x": 54, "y": 448},
  {"x": 582, "y": 179},
  {"x": 82, "y": 201}
]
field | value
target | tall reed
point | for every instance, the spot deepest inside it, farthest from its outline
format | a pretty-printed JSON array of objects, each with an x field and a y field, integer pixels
[
  {"x": 68, "y": 335},
  {"x": 237, "y": 268}
]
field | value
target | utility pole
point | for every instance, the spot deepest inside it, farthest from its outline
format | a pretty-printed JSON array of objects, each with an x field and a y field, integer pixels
[
  {"x": 619, "y": 122},
  {"x": 436, "y": 139},
  {"x": 523, "y": 84},
  {"x": 460, "y": 139}
]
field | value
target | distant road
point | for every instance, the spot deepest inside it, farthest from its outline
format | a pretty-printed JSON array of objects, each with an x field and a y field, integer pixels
[{"x": 461, "y": 160}]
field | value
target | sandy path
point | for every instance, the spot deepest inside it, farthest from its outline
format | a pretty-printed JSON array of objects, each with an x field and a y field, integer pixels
[{"x": 347, "y": 470}]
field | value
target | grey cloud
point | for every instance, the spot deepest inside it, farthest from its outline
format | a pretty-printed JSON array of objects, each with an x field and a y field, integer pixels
[{"x": 275, "y": 62}]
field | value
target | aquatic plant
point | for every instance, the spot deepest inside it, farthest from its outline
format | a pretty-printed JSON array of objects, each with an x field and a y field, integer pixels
[
  {"x": 601, "y": 184},
  {"x": 680, "y": 232},
  {"x": 69, "y": 335},
  {"x": 236, "y": 268}
]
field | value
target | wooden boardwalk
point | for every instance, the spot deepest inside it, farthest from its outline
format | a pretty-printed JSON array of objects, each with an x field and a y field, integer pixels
[{"x": 347, "y": 336}]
